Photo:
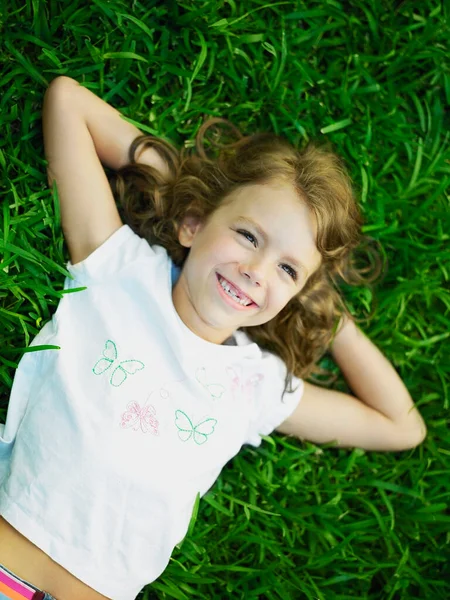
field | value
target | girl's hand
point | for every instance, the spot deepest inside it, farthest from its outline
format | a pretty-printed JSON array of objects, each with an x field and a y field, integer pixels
[{"x": 150, "y": 157}]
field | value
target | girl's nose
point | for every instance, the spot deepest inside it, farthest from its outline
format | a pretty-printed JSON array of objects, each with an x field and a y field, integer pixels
[{"x": 253, "y": 272}]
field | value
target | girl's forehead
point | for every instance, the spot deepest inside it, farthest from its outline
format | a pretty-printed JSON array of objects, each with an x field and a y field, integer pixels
[{"x": 266, "y": 201}]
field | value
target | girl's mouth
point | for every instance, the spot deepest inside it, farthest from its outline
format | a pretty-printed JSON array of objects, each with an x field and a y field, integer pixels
[{"x": 233, "y": 295}]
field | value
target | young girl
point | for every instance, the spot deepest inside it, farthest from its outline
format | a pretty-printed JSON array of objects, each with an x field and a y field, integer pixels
[{"x": 177, "y": 346}]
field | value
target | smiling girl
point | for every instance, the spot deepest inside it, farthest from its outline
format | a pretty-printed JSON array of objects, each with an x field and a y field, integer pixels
[{"x": 192, "y": 330}]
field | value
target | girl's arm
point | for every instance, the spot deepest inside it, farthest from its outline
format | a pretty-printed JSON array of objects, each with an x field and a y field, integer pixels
[
  {"x": 371, "y": 376},
  {"x": 382, "y": 416},
  {"x": 81, "y": 131},
  {"x": 111, "y": 134}
]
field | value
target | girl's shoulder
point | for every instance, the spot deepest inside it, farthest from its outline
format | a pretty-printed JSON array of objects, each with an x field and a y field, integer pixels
[{"x": 122, "y": 249}]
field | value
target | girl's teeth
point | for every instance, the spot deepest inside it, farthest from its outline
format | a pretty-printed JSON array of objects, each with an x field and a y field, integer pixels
[{"x": 228, "y": 290}]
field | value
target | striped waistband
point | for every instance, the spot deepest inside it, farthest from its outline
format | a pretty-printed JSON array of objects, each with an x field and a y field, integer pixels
[{"x": 17, "y": 589}]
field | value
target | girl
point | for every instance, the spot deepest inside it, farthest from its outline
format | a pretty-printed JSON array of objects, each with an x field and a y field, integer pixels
[{"x": 177, "y": 346}]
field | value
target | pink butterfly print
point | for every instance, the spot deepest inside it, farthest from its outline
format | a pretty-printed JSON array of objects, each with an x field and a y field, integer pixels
[
  {"x": 247, "y": 387},
  {"x": 144, "y": 417}
]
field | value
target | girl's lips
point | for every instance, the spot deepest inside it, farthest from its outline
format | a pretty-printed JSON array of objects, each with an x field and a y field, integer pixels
[{"x": 252, "y": 302}]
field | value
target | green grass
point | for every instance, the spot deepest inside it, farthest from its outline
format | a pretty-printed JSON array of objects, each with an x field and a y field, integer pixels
[{"x": 290, "y": 519}]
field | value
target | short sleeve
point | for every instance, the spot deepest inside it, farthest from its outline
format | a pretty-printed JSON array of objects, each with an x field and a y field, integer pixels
[
  {"x": 272, "y": 406},
  {"x": 120, "y": 249}
]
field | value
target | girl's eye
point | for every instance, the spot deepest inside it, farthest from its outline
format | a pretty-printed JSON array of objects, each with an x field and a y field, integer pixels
[
  {"x": 251, "y": 238},
  {"x": 290, "y": 271}
]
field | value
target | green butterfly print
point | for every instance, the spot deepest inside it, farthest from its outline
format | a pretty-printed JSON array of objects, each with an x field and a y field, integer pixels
[
  {"x": 121, "y": 372},
  {"x": 215, "y": 390},
  {"x": 186, "y": 428}
]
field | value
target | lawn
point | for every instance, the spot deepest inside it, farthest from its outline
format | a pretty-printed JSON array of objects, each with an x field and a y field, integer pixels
[{"x": 289, "y": 520}]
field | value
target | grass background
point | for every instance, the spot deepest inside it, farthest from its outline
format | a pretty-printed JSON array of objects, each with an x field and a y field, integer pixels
[{"x": 290, "y": 519}]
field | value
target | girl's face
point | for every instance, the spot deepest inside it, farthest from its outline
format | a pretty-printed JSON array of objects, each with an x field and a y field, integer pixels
[{"x": 247, "y": 261}]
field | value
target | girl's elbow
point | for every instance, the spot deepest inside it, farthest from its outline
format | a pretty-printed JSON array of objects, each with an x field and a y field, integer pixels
[
  {"x": 410, "y": 435},
  {"x": 419, "y": 434},
  {"x": 423, "y": 434},
  {"x": 62, "y": 81},
  {"x": 418, "y": 428}
]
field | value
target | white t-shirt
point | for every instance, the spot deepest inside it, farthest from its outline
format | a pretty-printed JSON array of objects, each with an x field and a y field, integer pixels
[{"x": 108, "y": 439}]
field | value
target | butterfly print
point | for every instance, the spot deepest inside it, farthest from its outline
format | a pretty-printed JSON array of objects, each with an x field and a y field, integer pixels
[
  {"x": 140, "y": 417},
  {"x": 215, "y": 390},
  {"x": 122, "y": 370},
  {"x": 246, "y": 387},
  {"x": 186, "y": 429}
]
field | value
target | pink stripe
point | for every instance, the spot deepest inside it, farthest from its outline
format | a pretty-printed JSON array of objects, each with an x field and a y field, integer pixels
[{"x": 15, "y": 585}]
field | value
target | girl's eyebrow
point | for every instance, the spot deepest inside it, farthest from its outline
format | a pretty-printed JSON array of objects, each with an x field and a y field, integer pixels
[{"x": 265, "y": 238}]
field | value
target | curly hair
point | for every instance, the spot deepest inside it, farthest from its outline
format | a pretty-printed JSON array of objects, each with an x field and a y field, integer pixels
[{"x": 154, "y": 205}]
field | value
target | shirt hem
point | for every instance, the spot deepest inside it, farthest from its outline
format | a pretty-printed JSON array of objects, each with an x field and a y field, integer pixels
[{"x": 21, "y": 521}]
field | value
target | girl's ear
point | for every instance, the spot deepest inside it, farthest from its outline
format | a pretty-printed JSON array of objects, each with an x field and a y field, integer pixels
[{"x": 188, "y": 230}]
